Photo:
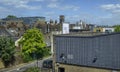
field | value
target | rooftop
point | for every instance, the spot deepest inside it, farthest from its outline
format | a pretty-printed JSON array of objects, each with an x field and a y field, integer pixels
[{"x": 88, "y": 34}]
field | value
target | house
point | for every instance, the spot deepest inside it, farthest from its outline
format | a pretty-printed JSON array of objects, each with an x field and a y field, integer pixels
[
  {"x": 103, "y": 29},
  {"x": 4, "y": 32},
  {"x": 2, "y": 23},
  {"x": 81, "y": 27},
  {"x": 87, "y": 53}
]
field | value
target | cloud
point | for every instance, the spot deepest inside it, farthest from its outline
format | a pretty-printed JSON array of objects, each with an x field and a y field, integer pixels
[
  {"x": 113, "y": 8},
  {"x": 54, "y": 0},
  {"x": 62, "y": 7},
  {"x": 14, "y": 2},
  {"x": 113, "y": 16},
  {"x": 114, "y": 19},
  {"x": 53, "y": 5},
  {"x": 110, "y": 6},
  {"x": 39, "y": 0},
  {"x": 28, "y": 7},
  {"x": 20, "y": 4},
  {"x": 4, "y": 9},
  {"x": 72, "y": 17},
  {"x": 71, "y": 7},
  {"x": 50, "y": 13}
]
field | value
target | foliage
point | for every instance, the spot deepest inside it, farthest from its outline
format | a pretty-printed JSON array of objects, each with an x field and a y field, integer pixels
[
  {"x": 47, "y": 52},
  {"x": 11, "y": 16},
  {"x": 7, "y": 50},
  {"x": 33, "y": 69},
  {"x": 117, "y": 28},
  {"x": 33, "y": 45}
]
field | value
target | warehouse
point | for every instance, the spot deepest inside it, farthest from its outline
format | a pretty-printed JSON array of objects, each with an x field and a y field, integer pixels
[{"x": 90, "y": 53}]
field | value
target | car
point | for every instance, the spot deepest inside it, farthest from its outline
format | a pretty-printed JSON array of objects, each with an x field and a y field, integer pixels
[{"x": 47, "y": 63}]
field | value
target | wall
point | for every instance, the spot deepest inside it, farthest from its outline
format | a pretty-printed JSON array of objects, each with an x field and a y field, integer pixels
[
  {"x": 108, "y": 29},
  {"x": 98, "y": 29},
  {"x": 71, "y": 68},
  {"x": 51, "y": 36},
  {"x": 1, "y": 64}
]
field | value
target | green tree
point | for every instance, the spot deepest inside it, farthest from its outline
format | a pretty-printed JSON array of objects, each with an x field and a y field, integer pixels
[
  {"x": 33, "y": 45},
  {"x": 11, "y": 16},
  {"x": 117, "y": 28},
  {"x": 7, "y": 50}
]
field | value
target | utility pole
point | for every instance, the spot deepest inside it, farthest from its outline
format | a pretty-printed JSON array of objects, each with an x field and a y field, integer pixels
[{"x": 37, "y": 60}]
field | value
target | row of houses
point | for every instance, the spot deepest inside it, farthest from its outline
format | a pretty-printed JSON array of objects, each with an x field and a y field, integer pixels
[
  {"x": 17, "y": 26},
  {"x": 24, "y": 23}
]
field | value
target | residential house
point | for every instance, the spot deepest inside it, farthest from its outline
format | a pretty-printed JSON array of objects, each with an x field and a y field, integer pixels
[{"x": 103, "y": 29}]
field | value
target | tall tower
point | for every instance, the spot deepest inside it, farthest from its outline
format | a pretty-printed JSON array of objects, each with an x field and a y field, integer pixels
[
  {"x": 62, "y": 19},
  {"x": 51, "y": 21}
]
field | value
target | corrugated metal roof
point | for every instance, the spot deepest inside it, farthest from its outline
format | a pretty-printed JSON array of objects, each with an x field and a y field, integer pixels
[
  {"x": 96, "y": 51},
  {"x": 87, "y": 34}
]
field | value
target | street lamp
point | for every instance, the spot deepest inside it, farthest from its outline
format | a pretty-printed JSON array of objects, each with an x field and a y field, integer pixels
[
  {"x": 36, "y": 56},
  {"x": 37, "y": 60}
]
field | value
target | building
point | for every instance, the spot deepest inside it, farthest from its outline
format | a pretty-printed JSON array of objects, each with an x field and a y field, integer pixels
[
  {"x": 18, "y": 26},
  {"x": 2, "y": 23},
  {"x": 87, "y": 53},
  {"x": 31, "y": 20},
  {"x": 103, "y": 29},
  {"x": 61, "y": 19},
  {"x": 81, "y": 27},
  {"x": 41, "y": 25},
  {"x": 26, "y": 20}
]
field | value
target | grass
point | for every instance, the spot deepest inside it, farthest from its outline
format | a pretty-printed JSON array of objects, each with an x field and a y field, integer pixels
[{"x": 32, "y": 69}]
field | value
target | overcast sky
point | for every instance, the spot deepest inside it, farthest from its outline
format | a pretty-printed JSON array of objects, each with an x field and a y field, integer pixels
[{"x": 104, "y": 12}]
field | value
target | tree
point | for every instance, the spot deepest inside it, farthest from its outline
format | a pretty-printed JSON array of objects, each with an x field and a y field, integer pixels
[
  {"x": 7, "y": 50},
  {"x": 32, "y": 44},
  {"x": 117, "y": 28},
  {"x": 11, "y": 16}
]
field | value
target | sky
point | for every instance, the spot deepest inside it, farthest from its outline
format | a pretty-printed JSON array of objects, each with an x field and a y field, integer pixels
[{"x": 101, "y": 12}]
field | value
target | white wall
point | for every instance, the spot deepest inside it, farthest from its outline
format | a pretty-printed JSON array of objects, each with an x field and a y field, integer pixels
[
  {"x": 65, "y": 28},
  {"x": 109, "y": 29}
]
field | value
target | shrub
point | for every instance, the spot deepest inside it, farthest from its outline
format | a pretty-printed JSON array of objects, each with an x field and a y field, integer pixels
[{"x": 32, "y": 69}]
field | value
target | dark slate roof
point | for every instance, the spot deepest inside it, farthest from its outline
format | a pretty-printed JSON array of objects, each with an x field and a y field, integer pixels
[{"x": 4, "y": 32}]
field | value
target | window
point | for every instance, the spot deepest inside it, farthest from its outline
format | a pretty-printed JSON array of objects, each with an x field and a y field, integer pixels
[
  {"x": 108, "y": 31},
  {"x": 47, "y": 64},
  {"x": 98, "y": 30},
  {"x": 61, "y": 69}
]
